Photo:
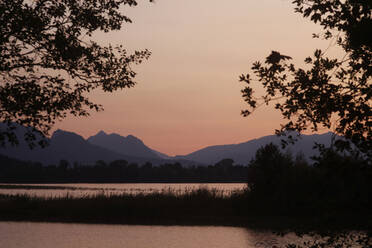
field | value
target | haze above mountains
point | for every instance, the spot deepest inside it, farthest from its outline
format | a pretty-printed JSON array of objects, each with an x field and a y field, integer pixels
[{"x": 109, "y": 147}]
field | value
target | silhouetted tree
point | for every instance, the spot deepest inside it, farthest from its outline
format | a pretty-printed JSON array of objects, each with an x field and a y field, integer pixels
[
  {"x": 119, "y": 163},
  {"x": 48, "y": 63},
  {"x": 100, "y": 163},
  {"x": 333, "y": 93},
  {"x": 63, "y": 164},
  {"x": 225, "y": 163},
  {"x": 268, "y": 169}
]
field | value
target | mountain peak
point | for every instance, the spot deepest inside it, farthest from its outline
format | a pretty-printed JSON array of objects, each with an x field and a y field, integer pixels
[
  {"x": 101, "y": 133},
  {"x": 132, "y": 138},
  {"x": 64, "y": 136},
  {"x": 129, "y": 145},
  {"x": 60, "y": 132}
]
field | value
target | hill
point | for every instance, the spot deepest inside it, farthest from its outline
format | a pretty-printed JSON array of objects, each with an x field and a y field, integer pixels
[
  {"x": 129, "y": 146},
  {"x": 242, "y": 153}
]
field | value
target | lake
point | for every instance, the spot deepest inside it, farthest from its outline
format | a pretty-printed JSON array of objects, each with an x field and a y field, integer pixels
[
  {"x": 84, "y": 189},
  {"x": 56, "y": 235}
]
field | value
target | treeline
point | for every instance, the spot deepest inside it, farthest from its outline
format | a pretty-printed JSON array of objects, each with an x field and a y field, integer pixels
[
  {"x": 337, "y": 188},
  {"x": 120, "y": 171}
]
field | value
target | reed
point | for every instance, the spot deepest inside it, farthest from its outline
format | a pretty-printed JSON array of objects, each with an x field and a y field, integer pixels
[
  {"x": 192, "y": 206},
  {"x": 201, "y": 206}
]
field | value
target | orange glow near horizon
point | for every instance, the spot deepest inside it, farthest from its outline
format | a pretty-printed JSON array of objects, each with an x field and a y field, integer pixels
[{"x": 188, "y": 95}]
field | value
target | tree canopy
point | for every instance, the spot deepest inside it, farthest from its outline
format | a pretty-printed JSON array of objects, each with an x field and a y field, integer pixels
[
  {"x": 328, "y": 92},
  {"x": 49, "y": 62}
]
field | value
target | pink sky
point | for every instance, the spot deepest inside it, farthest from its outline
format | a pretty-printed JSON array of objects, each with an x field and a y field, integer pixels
[{"x": 188, "y": 95}]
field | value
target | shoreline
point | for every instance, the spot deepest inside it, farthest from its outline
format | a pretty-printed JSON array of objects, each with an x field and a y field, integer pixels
[{"x": 176, "y": 181}]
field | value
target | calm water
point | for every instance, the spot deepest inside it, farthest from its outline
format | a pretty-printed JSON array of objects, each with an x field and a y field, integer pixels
[
  {"x": 82, "y": 189},
  {"x": 44, "y": 235}
]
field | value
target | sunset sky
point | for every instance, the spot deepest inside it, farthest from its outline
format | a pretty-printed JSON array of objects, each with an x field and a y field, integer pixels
[{"x": 188, "y": 93}]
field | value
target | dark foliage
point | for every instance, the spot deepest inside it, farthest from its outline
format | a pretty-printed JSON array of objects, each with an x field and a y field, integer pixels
[
  {"x": 335, "y": 184},
  {"x": 48, "y": 62},
  {"x": 334, "y": 195},
  {"x": 328, "y": 92},
  {"x": 332, "y": 93}
]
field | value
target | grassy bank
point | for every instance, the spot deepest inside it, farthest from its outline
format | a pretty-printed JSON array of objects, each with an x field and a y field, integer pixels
[
  {"x": 194, "y": 207},
  {"x": 200, "y": 206}
]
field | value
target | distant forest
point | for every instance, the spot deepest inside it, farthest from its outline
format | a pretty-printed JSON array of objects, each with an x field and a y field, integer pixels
[
  {"x": 270, "y": 166},
  {"x": 119, "y": 171}
]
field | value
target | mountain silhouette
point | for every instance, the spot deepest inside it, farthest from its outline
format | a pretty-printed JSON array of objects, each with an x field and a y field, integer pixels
[
  {"x": 130, "y": 145},
  {"x": 72, "y": 147},
  {"x": 62, "y": 146},
  {"x": 242, "y": 153}
]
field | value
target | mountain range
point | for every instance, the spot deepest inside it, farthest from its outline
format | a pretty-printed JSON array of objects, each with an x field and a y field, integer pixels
[
  {"x": 130, "y": 145},
  {"x": 242, "y": 153},
  {"x": 72, "y": 147}
]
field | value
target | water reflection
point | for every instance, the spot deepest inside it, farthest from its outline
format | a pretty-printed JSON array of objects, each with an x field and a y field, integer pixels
[
  {"x": 261, "y": 239},
  {"x": 36, "y": 235},
  {"x": 57, "y": 235}
]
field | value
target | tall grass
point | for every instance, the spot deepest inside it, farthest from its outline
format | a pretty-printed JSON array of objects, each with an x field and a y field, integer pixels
[
  {"x": 169, "y": 206},
  {"x": 200, "y": 206}
]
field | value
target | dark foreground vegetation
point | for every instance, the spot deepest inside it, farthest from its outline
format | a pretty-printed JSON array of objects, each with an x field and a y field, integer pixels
[{"x": 197, "y": 207}]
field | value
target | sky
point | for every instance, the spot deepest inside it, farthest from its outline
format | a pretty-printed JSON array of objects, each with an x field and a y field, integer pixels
[{"x": 188, "y": 92}]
